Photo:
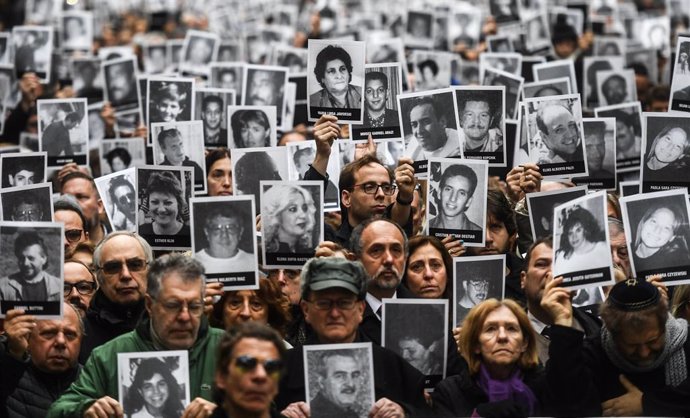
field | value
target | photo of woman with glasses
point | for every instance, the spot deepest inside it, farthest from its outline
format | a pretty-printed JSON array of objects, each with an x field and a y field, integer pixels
[{"x": 154, "y": 392}]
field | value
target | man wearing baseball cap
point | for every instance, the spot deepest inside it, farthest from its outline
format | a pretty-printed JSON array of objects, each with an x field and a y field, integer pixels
[{"x": 333, "y": 292}]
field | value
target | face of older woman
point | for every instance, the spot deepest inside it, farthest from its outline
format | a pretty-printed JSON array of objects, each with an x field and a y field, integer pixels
[
  {"x": 163, "y": 207},
  {"x": 414, "y": 352},
  {"x": 244, "y": 306},
  {"x": 254, "y": 134},
  {"x": 501, "y": 342},
  {"x": 670, "y": 146},
  {"x": 657, "y": 231},
  {"x": 154, "y": 391},
  {"x": 336, "y": 77},
  {"x": 294, "y": 218},
  {"x": 576, "y": 235},
  {"x": 426, "y": 273}
]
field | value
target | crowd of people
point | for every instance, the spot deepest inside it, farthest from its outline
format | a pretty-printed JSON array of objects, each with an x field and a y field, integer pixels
[{"x": 424, "y": 293}]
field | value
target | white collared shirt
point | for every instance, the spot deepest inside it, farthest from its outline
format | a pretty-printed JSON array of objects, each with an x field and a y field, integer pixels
[{"x": 375, "y": 304}]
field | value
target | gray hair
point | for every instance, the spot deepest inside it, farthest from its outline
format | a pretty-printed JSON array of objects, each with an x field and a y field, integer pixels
[
  {"x": 187, "y": 268},
  {"x": 356, "y": 238},
  {"x": 148, "y": 252}
]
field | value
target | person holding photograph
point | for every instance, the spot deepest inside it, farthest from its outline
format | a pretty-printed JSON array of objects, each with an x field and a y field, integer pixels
[
  {"x": 154, "y": 391},
  {"x": 170, "y": 142},
  {"x": 251, "y": 129},
  {"x": 660, "y": 238},
  {"x": 165, "y": 204},
  {"x": 223, "y": 230},
  {"x": 333, "y": 71},
  {"x": 288, "y": 219},
  {"x": 454, "y": 196},
  {"x": 667, "y": 157},
  {"x": 169, "y": 102},
  {"x": 582, "y": 243},
  {"x": 56, "y": 136},
  {"x": 504, "y": 377}
]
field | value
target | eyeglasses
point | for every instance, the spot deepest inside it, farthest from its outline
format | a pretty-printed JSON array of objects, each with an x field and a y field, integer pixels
[
  {"x": 73, "y": 235},
  {"x": 373, "y": 188},
  {"x": 115, "y": 266},
  {"x": 126, "y": 199},
  {"x": 220, "y": 228},
  {"x": 247, "y": 364},
  {"x": 479, "y": 285},
  {"x": 83, "y": 288},
  {"x": 28, "y": 215},
  {"x": 176, "y": 307},
  {"x": 327, "y": 304}
]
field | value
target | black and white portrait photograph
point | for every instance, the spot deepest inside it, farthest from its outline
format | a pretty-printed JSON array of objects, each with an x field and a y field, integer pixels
[
  {"x": 265, "y": 86},
  {"x": 155, "y": 58},
  {"x": 616, "y": 86},
  {"x": 592, "y": 66},
  {"x": 609, "y": 46},
  {"x": 118, "y": 193},
  {"x": 228, "y": 76},
  {"x": 292, "y": 112},
  {"x": 40, "y": 11},
  {"x": 465, "y": 27},
  {"x": 32, "y": 277},
  {"x": 419, "y": 29},
  {"x": 63, "y": 131},
  {"x": 339, "y": 380},
  {"x": 482, "y": 126},
  {"x": 512, "y": 86},
  {"x": 456, "y": 200},
  {"x": 122, "y": 153},
  {"x": 417, "y": 331},
  {"x": 537, "y": 36},
  {"x": 500, "y": 43},
  {"x": 556, "y": 139},
  {"x": 181, "y": 144},
  {"x": 163, "y": 206},
  {"x": 477, "y": 278},
  {"x": 553, "y": 87},
  {"x": 646, "y": 58},
  {"x": 666, "y": 159},
  {"x": 211, "y": 107},
  {"x": 86, "y": 79},
  {"x": 27, "y": 203},
  {"x": 9, "y": 87},
  {"x": 230, "y": 51},
  {"x": 505, "y": 11},
  {"x": 581, "y": 244},
  {"x": 251, "y": 165},
  {"x": 174, "y": 53},
  {"x": 76, "y": 31},
  {"x": 382, "y": 85},
  {"x": 252, "y": 126},
  {"x": 659, "y": 235},
  {"x": 294, "y": 59},
  {"x": 336, "y": 77},
  {"x": 628, "y": 133},
  {"x": 432, "y": 69},
  {"x": 381, "y": 51},
  {"x": 300, "y": 157},
  {"x": 653, "y": 32},
  {"x": 291, "y": 222},
  {"x": 198, "y": 51},
  {"x": 562, "y": 17},
  {"x": 223, "y": 240},
  {"x": 33, "y": 47},
  {"x": 510, "y": 62},
  {"x": 556, "y": 69},
  {"x": 153, "y": 383},
  {"x": 121, "y": 87},
  {"x": 680, "y": 85},
  {"x": 127, "y": 123},
  {"x": 600, "y": 134},
  {"x": 169, "y": 99},
  {"x": 22, "y": 168},
  {"x": 541, "y": 207},
  {"x": 6, "y": 48},
  {"x": 429, "y": 126},
  {"x": 389, "y": 151}
]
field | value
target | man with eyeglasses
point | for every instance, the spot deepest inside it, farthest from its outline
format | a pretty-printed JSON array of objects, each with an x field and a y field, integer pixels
[
  {"x": 83, "y": 188},
  {"x": 67, "y": 210},
  {"x": 79, "y": 286},
  {"x": 121, "y": 262},
  {"x": 223, "y": 231},
  {"x": 26, "y": 207},
  {"x": 122, "y": 199},
  {"x": 249, "y": 367},
  {"x": 475, "y": 290},
  {"x": 333, "y": 293},
  {"x": 175, "y": 307}
]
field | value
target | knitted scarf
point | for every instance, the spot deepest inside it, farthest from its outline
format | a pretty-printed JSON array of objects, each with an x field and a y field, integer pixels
[
  {"x": 512, "y": 388},
  {"x": 672, "y": 358}
]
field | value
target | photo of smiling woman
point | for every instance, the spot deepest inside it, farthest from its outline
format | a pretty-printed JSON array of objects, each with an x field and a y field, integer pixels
[
  {"x": 291, "y": 221},
  {"x": 154, "y": 392},
  {"x": 667, "y": 156}
]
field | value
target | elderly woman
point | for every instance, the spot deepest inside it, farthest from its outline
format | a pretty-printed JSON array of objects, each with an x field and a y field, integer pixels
[
  {"x": 503, "y": 377},
  {"x": 582, "y": 244},
  {"x": 154, "y": 392},
  {"x": 288, "y": 213},
  {"x": 659, "y": 240},
  {"x": 165, "y": 205},
  {"x": 333, "y": 71},
  {"x": 666, "y": 158}
]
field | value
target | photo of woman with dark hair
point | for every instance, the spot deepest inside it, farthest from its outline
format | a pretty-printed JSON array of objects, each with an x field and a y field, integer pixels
[
  {"x": 154, "y": 392},
  {"x": 582, "y": 242},
  {"x": 118, "y": 159},
  {"x": 333, "y": 71},
  {"x": 660, "y": 238}
]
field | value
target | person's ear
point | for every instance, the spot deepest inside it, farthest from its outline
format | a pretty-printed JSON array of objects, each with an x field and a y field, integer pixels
[
  {"x": 148, "y": 304},
  {"x": 523, "y": 280},
  {"x": 219, "y": 379},
  {"x": 305, "y": 310},
  {"x": 346, "y": 198},
  {"x": 443, "y": 121},
  {"x": 360, "y": 306},
  {"x": 469, "y": 202}
]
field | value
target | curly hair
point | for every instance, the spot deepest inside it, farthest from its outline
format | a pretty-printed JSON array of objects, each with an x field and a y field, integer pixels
[
  {"x": 149, "y": 367},
  {"x": 277, "y": 199},
  {"x": 592, "y": 230},
  {"x": 121, "y": 153},
  {"x": 328, "y": 54},
  {"x": 165, "y": 182}
]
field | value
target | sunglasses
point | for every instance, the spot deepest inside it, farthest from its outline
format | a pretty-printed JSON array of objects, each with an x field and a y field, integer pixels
[
  {"x": 247, "y": 364},
  {"x": 115, "y": 266},
  {"x": 83, "y": 288},
  {"x": 73, "y": 235}
]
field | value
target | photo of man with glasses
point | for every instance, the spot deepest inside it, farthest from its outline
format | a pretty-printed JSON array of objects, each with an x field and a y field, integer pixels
[
  {"x": 480, "y": 278},
  {"x": 30, "y": 203},
  {"x": 122, "y": 204}
]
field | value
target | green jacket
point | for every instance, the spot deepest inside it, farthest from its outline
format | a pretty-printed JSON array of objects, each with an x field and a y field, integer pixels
[{"x": 98, "y": 378}]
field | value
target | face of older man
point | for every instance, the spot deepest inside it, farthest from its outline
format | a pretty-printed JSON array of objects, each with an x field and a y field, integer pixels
[
  {"x": 563, "y": 135},
  {"x": 383, "y": 255},
  {"x": 54, "y": 344},
  {"x": 476, "y": 119},
  {"x": 122, "y": 282},
  {"x": 343, "y": 379}
]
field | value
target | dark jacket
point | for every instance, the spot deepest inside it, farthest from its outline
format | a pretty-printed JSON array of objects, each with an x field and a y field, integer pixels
[
  {"x": 575, "y": 359},
  {"x": 394, "y": 379},
  {"x": 459, "y": 396},
  {"x": 106, "y": 320}
]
